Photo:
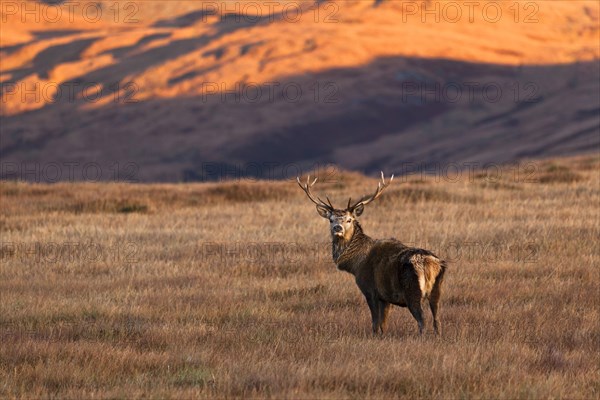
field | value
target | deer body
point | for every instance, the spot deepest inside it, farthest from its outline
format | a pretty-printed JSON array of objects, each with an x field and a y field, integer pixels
[{"x": 386, "y": 271}]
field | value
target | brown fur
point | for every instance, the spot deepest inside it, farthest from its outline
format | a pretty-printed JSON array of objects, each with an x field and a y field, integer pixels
[{"x": 386, "y": 271}]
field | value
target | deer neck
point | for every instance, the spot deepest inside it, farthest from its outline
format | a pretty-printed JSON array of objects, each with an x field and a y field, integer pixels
[{"x": 348, "y": 254}]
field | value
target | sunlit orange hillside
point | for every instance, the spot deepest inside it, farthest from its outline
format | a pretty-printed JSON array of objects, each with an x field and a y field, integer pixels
[{"x": 171, "y": 86}]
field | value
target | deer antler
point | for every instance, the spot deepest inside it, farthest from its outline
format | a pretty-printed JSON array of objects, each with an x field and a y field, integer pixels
[
  {"x": 306, "y": 187},
  {"x": 367, "y": 199}
]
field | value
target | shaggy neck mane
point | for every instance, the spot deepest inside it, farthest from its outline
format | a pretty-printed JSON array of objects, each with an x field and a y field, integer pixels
[{"x": 348, "y": 254}]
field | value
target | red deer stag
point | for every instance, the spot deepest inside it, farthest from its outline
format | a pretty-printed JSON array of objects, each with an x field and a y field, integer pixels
[{"x": 386, "y": 271}]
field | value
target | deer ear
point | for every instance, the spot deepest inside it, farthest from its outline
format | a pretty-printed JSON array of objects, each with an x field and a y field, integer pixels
[
  {"x": 358, "y": 210},
  {"x": 323, "y": 211}
]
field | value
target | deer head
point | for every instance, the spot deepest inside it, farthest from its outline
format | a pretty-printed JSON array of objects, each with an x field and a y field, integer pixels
[{"x": 342, "y": 221}]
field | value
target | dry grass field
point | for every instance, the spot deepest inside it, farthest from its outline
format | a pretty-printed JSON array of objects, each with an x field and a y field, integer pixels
[{"x": 113, "y": 290}]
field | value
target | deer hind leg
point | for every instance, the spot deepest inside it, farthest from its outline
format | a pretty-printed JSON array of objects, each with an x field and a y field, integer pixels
[
  {"x": 415, "y": 307},
  {"x": 434, "y": 303}
]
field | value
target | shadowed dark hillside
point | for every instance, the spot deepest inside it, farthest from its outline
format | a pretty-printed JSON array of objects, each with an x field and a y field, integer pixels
[{"x": 385, "y": 114}]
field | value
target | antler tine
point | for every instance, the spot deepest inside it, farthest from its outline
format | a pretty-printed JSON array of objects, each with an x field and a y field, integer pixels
[
  {"x": 381, "y": 186},
  {"x": 306, "y": 187},
  {"x": 308, "y": 184},
  {"x": 329, "y": 201}
]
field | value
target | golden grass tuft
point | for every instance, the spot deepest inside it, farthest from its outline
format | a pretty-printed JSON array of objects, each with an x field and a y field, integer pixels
[
  {"x": 559, "y": 174},
  {"x": 244, "y": 192}
]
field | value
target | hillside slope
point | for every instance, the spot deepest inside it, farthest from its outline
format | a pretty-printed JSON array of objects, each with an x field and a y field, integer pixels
[{"x": 171, "y": 88}]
